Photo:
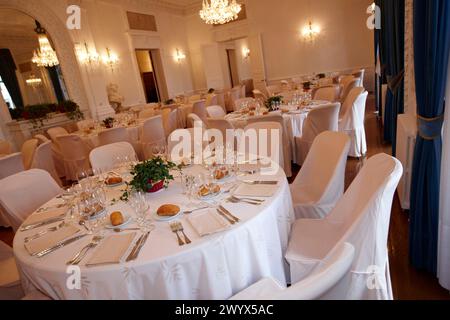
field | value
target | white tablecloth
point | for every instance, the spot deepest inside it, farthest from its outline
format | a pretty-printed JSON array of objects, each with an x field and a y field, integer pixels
[{"x": 213, "y": 267}]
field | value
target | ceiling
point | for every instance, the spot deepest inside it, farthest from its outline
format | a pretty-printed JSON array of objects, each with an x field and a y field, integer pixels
[{"x": 17, "y": 34}]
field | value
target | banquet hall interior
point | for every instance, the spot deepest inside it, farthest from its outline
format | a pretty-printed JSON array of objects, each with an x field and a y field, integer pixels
[{"x": 224, "y": 150}]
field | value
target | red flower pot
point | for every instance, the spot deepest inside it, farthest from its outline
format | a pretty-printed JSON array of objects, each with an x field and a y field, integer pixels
[{"x": 156, "y": 187}]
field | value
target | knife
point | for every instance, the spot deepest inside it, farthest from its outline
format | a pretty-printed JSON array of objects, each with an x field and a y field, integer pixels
[
  {"x": 136, "y": 245},
  {"x": 229, "y": 213},
  {"x": 58, "y": 245},
  {"x": 141, "y": 244},
  {"x": 261, "y": 182},
  {"x": 42, "y": 223}
]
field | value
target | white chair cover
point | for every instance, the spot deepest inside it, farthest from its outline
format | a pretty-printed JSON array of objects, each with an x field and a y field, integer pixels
[
  {"x": 192, "y": 118},
  {"x": 211, "y": 100},
  {"x": 350, "y": 85},
  {"x": 152, "y": 133},
  {"x": 170, "y": 121},
  {"x": 85, "y": 124},
  {"x": 102, "y": 158},
  {"x": 194, "y": 98},
  {"x": 43, "y": 159},
  {"x": 5, "y": 147},
  {"x": 221, "y": 124},
  {"x": 234, "y": 95},
  {"x": 146, "y": 113},
  {"x": 199, "y": 108},
  {"x": 221, "y": 100},
  {"x": 75, "y": 155},
  {"x": 242, "y": 89},
  {"x": 328, "y": 93},
  {"x": 334, "y": 267},
  {"x": 41, "y": 138},
  {"x": 241, "y": 103},
  {"x": 352, "y": 123},
  {"x": 286, "y": 145},
  {"x": 320, "y": 183},
  {"x": 215, "y": 112},
  {"x": 113, "y": 135},
  {"x": 57, "y": 154},
  {"x": 273, "y": 90},
  {"x": 361, "y": 218},
  {"x": 28, "y": 150},
  {"x": 320, "y": 119},
  {"x": 55, "y": 132},
  {"x": 360, "y": 75},
  {"x": 266, "y": 147},
  {"x": 11, "y": 164},
  {"x": 23, "y": 193},
  {"x": 175, "y": 140},
  {"x": 10, "y": 286}
]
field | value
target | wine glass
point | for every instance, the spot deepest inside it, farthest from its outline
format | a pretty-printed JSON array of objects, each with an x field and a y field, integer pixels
[{"x": 156, "y": 150}]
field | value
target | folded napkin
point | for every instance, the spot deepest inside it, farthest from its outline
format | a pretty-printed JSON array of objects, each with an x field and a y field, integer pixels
[
  {"x": 50, "y": 239},
  {"x": 254, "y": 166},
  {"x": 207, "y": 222},
  {"x": 112, "y": 249},
  {"x": 46, "y": 215},
  {"x": 247, "y": 190}
]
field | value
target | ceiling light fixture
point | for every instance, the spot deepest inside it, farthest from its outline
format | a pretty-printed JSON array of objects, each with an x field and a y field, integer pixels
[
  {"x": 219, "y": 11},
  {"x": 45, "y": 56}
]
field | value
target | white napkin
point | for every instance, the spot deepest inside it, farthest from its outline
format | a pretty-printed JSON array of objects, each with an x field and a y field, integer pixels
[
  {"x": 207, "y": 222},
  {"x": 258, "y": 190},
  {"x": 46, "y": 215},
  {"x": 50, "y": 239},
  {"x": 112, "y": 249}
]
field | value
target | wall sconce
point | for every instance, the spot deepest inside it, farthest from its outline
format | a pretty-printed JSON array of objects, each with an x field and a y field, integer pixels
[
  {"x": 86, "y": 56},
  {"x": 311, "y": 31},
  {"x": 246, "y": 53},
  {"x": 179, "y": 56},
  {"x": 110, "y": 59}
]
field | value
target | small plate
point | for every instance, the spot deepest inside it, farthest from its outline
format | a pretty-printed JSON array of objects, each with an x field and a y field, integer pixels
[
  {"x": 210, "y": 196},
  {"x": 159, "y": 218},
  {"x": 127, "y": 220},
  {"x": 114, "y": 185}
]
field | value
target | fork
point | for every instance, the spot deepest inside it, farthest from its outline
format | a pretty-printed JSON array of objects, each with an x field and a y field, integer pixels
[
  {"x": 175, "y": 230},
  {"x": 82, "y": 253},
  {"x": 247, "y": 199},
  {"x": 181, "y": 229},
  {"x": 40, "y": 234},
  {"x": 234, "y": 200}
]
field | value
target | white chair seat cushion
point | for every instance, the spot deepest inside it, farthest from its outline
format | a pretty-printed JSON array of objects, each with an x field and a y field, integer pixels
[
  {"x": 306, "y": 206},
  {"x": 261, "y": 290}
]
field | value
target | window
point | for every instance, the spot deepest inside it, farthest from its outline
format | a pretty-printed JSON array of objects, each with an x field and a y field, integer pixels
[{"x": 6, "y": 95}]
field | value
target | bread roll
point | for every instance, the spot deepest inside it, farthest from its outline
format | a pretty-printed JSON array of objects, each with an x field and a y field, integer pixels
[
  {"x": 116, "y": 218},
  {"x": 168, "y": 210}
]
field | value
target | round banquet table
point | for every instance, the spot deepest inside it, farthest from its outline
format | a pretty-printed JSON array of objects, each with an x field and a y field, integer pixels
[{"x": 216, "y": 266}]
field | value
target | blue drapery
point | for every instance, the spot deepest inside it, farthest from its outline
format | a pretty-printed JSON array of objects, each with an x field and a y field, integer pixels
[
  {"x": 431, "y": 53},
  {"x": 392, "y": 58}
]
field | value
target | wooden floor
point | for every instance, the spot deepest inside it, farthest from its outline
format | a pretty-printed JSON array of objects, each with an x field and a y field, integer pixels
[{"x": 407, "y": 282}]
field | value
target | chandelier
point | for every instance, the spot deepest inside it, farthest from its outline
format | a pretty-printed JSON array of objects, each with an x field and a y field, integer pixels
[
  {"x": 45, "y": 56},
  {"x": 33, "y": 81},
  {"x": 219, "y": 11}
]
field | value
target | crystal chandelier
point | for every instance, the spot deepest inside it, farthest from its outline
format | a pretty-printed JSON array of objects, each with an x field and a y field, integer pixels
[
  {"x": 219, "y": 11},
  {"x": 45, "y": 56}
]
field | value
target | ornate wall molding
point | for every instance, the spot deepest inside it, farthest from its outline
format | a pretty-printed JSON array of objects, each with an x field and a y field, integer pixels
[
  {"x": 410, "y": 87},
  {"x": 62, "y": 41}
]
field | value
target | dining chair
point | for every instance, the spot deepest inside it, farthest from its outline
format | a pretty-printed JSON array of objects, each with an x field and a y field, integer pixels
[
  {"x": 170, "y": 121},
  {"x": 10, "y": 285},
  {"x": 241, "y": 103},
  {"x": 320, "y": 119},
  {"x": 327, "y": 93},
  {"x": 199, "y": 108},
  {"x": 11, "y": 164},
  {"x": 43, "y": 159},
  {"x": 242, "y": 91},
  {"x": 352, "y": 123},
  {"x": 215, "y": 112},
  {"x": 184, "y": 143},
  {"x": 41, "y": 138},
  {"x": 23, "y": 193},
  {"x": 146, "y": 113},
  {"x": 360, "y": 75},
  {"x": 221, "y": 99},
  {"x": 75, "y": 154},
  {"x": 263, "y": 139},
  {"x": 327, "y": 275},
  {"x": 320, "y": 182},
  {"x": 56, "y": 131},
  {"x": 104, "y": 157},
  {"x": 152, "y": 134},
  {"x": 211, "y": 100},
  {"x": 233, "y": 96},
  {"x": 361, "y": 217},
  {"x": 5, "y": 147},
  {"x": 113, "y": 135},
  {"x": 28, "y": 149},
  {"x": 194, "y": 98},
  {"x": 273, "y": 90},
  {"x": 56, "y": 154},
  {"x": 286, "y": 143},
  {"x": 193, "y": 119},
  {"x": 220, "y": 124},
  {"x": 348, "y": 87}
]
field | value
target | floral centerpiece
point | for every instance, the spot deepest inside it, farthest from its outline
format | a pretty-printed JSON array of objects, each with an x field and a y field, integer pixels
[
  {"x": 150, "y": 176},
  {"x": 272, "y": 101},
  {"x": 307, "y": 85},
  {"x": 108, "y": 122}
]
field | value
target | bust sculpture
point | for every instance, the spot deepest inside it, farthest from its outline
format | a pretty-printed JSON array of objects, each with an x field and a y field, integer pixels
[{"x": 115, "y": 99}]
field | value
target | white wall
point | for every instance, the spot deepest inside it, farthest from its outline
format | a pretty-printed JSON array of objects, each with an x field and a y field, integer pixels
[{"x": 345, "y": 41}]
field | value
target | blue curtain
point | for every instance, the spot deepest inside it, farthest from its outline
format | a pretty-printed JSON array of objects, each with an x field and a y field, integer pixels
[
  {"x": 431, "y": 54},
  {"x": 8, "y": 75},
  {"x": 392, "y": 58}
]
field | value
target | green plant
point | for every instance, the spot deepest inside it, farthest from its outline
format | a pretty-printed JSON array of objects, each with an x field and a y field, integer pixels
[
  {"x": 38, "y": 113},
  {"x": 108, "y": 122},
  {"x": 149, "y": 173},
  {"x": 272, "y": 100},
  {"x": 71, "y": 109}
]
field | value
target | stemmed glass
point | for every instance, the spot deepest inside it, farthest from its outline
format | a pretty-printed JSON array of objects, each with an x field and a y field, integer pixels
[{"x": 140, "y": 206}]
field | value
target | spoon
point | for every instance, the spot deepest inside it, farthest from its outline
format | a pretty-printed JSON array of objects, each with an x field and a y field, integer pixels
[
  {"x": 120, "y": 230},
  {"x": 83, "y": 223}
]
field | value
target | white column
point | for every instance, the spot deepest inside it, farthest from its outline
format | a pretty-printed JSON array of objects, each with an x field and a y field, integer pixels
[{"x": 443, "y": 271}]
